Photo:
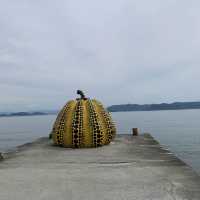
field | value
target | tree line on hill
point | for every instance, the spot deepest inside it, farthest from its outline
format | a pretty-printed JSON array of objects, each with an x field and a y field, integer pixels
[{"x": 152, "y": 107}]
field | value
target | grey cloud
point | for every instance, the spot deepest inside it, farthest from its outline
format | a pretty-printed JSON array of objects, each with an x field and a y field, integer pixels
[{"x": 117, "y": 51}]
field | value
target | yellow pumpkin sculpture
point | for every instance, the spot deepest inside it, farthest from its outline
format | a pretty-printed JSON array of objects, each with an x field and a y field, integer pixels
[{"x": 83, "y": 123}]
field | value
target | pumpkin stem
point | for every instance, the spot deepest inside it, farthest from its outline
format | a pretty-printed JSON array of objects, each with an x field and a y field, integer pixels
[{"x": 81, "y": 94}]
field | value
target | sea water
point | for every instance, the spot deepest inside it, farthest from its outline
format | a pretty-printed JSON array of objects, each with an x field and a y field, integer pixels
[{"x": 177, "y": 130}]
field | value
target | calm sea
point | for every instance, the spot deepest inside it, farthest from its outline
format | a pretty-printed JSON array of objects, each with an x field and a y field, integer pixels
[{"x": 177, "y": 130}]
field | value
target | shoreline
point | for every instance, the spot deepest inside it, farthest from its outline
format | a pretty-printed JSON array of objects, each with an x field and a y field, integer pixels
[
  {"x": 131, "y": 167},
  {"x": 27, "y": 115},
  {"x": 8, "y": 153},
  {"x": 155, "y": 110},
  {"x": 11, "y": 152}
]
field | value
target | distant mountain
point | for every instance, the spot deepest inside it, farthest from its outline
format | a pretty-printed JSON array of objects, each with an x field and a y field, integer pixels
[
  {"x": 152, "y": 107},
  {"x": 118, "y": 108},
  {"x": 14, "y": 114}
]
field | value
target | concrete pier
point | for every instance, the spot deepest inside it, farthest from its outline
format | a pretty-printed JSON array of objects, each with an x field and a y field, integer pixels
[{"x": 131, "y": 167}]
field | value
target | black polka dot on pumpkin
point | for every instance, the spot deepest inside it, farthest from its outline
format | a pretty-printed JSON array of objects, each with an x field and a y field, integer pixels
[
  {"x": 75, "y": 130},
  {"x": 75, "y": 141}
]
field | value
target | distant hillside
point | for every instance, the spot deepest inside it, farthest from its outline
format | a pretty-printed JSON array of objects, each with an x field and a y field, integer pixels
[
  {"x": 151, "y": 107},
  {"x": 22, "y": 114}
]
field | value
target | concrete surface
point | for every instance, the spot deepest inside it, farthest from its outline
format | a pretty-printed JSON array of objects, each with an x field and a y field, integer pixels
[{"x": 129, "y": 168}]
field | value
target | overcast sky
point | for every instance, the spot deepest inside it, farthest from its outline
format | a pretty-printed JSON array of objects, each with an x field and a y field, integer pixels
[{"x": 118, "y": 51}]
